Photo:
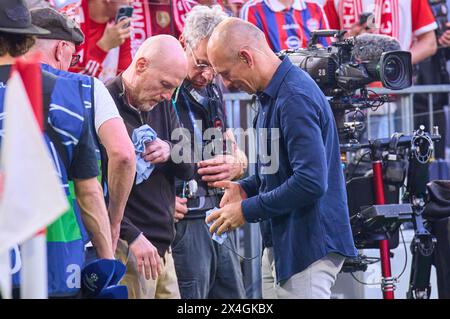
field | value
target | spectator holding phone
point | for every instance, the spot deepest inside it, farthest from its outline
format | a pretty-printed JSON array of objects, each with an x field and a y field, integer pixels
[{"x": 106, "y": 51}]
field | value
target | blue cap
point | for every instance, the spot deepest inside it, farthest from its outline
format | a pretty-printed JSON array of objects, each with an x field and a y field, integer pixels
[
  {"x": 114, "y": 292},
  {"x": 99, "y": 276}
]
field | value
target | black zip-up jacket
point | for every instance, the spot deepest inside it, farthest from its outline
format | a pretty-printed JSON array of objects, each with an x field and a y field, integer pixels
[{"x": 151, "y": 204}]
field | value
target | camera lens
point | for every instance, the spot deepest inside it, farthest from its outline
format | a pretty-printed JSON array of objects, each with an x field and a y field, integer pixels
[
  {"x": 392, "y": 70},
  {"x": 396, "y": 70}
]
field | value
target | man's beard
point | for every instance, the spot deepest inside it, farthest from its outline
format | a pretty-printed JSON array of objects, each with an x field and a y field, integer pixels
[
  {"x": 147, "y": 107},
  {"x": 146, "y": 104}
]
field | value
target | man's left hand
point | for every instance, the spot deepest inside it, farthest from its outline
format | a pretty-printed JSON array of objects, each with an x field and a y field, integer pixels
[
  {"x": 157, "y": 152},
  {"x": 220, "y": 168},
  {"x": 227, "y": 218}
]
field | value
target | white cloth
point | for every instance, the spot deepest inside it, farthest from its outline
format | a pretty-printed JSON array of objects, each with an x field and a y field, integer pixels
[
  {"x": 5, "y": 275},
  {"x": 104, "y": 106}
]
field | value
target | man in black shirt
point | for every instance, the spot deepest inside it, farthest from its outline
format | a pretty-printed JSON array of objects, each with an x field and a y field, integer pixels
[{"x": 142, "y": 94}]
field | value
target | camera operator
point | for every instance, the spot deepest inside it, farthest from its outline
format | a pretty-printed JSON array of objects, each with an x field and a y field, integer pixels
[
  {"x": 303, "y": 195},
  {"x": 433, "y": 70},
  {"x": 142, "y": 94},
  {"x": 204, "y": 268},
  {"x": 106, "y": 51}
]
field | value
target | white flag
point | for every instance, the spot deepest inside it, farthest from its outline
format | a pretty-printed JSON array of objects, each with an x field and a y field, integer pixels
[
  {"x": 32, "y": 194},
  {"x": 5, "y": 275}
]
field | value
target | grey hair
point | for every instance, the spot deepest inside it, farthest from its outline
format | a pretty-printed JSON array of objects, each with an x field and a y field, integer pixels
[{"x": 200, "y": 23}]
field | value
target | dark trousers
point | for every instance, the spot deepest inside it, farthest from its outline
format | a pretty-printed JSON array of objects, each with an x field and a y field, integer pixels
[{"x": 205, "y": 269}]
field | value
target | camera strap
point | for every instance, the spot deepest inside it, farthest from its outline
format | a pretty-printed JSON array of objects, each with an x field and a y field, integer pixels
[
  {"x": 198, "y": 134},
  {"x": 217, "y": 121}
]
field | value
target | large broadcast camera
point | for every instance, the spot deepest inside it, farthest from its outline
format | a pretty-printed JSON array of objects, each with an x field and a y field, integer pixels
[{"x": 351, "y": 64}]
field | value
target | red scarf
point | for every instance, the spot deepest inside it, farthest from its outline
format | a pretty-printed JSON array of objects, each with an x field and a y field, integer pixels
[
  {"x": 142, "y": 26},
  {"x": 158, "y": 17},
  {"x": 385, "y": 11},
  {"x": 387, "y": 14},
  {"x": 349, "y": 11}
]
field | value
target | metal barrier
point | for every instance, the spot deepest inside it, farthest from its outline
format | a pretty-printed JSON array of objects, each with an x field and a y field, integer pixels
[
  {"x": 404, "y": 105},
  {"x": 405, "y": 113},
  {"x": 400, "y": 115}
]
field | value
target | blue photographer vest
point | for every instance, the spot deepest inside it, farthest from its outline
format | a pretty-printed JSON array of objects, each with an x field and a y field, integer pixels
[
  {"x": 87, "y": 93},
  {"x": 65, "y": 116}
]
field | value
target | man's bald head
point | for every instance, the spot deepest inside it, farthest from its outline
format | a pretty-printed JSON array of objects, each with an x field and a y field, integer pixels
[
  {"x": 158, "y": 68},
  {"x": 239, "y": 52},
  {"x": 232, "y": 34},
  {"x": 163, "y": 50}
]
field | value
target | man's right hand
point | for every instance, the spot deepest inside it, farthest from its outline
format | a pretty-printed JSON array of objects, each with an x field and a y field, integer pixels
[
  {"x": 114, "y": 35},
  {"x": 181, "y": 208},
  {"x": 233, "y": 192},
  {"x": 444, "y": 40},
  {"x": 146, "y": 256}
]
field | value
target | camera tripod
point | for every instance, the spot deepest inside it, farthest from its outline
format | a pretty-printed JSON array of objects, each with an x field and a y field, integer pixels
[{"x": 383, "y": 220}]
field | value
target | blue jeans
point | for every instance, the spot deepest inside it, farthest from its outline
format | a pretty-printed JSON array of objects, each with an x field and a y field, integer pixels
[{"x": 205, "y": 269}]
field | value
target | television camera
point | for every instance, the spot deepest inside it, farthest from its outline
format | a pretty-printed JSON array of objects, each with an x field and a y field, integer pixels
[{"x": 351, "y": 64}]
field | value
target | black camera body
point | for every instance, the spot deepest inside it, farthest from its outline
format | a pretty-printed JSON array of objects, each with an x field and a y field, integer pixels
[{"x": 351, "y": 64}]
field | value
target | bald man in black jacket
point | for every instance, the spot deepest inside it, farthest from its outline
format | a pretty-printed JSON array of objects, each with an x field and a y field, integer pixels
[{"x": 142, "y": 94}]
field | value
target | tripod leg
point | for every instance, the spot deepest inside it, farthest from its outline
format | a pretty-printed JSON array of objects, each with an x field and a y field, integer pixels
[{"x": 419, "y": 283}]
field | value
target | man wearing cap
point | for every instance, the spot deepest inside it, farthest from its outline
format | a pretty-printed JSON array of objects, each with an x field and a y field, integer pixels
[
  {"x": 57, "y": 55},
  {"x": 69, "y": 140}
]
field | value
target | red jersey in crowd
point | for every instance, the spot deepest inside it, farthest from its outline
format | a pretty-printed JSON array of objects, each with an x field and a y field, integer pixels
[
  {"x": 286, "y": 28},
  {"x": 152, "y": 17},
  {"x": 401, "y": 19},
  {"x": 93, "y": 60}
]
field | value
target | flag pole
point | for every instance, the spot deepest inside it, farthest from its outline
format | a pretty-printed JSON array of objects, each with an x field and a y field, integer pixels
[{"x": 34, "y": 251}]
